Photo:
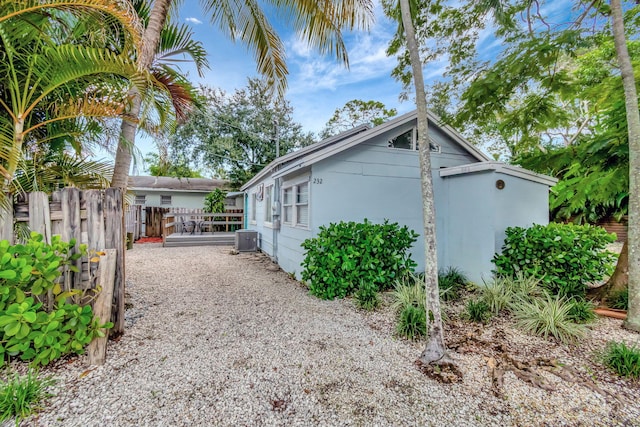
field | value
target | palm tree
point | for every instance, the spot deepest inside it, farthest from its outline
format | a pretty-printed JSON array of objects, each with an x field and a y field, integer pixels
[
  {"x": 319, "y": 23},
  {"x": 48, "y": 81}
]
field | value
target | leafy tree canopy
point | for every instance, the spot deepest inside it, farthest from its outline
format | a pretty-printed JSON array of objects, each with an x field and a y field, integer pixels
[
  {"x": 238, "y": 132},
  {"x": 357, "y": 112}
]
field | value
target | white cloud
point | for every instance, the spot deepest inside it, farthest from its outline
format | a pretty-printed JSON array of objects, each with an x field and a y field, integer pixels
[{"x": 193, "y": 20}]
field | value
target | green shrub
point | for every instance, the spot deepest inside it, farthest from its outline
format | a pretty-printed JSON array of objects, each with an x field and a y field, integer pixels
[
  {"x": 623, "y": 360},
  {"x": 619, "y": 300},
  {"x": 412, "y": 322},
  {"x": 581, "y": 311},
  {"x": 27, "y": 274},
  {"x": 548, "y": 316},
  {"x": 214, "y": 201},
  {"x": 451, "y": 282},
  {"x": 367, "y": 296},
  {"x": 564, "y": 256},
  {"x": 477, "y": 311},
  {"x": 20, "y": 396},
  {"x": 346, "y": 253}
]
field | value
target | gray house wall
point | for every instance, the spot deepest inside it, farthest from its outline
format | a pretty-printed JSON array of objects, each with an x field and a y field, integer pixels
[
  {"x": 178, "y": 198},
  {"x": 361, "y": 177},
  {"x": 479, "y": 213},
  {"x": 369, "y": 181}
]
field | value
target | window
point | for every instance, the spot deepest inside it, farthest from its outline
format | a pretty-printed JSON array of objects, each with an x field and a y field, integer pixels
[
  {"x": 403, "y": 141},
  {"x": 165, "y": 200},
  {"x": 409, "y": 141},
  {"x": 302, "y": 204},
  {"x": 295, "y": 203},
  {"x": 140, "y": 199},
  {"x": 268, "y": 201},
  {"x": 252, "y": 208},
  {"x": 287, "y": 205}
]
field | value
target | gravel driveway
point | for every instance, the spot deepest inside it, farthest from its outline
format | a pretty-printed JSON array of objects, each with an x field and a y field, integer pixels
[{"x": 219, "y": 339}]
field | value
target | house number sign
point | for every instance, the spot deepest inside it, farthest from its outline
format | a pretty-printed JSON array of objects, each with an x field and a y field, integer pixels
[{"x": 317, "y": 180}]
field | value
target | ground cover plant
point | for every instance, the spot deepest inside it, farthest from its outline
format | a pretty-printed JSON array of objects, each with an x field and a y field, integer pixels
[
  {"x": 21, "y": 395},
  {"x": 565, "y": 257},
  {"x": 29, "y": 329},
  {"x": 622, "y": 359},
  {"x": 451, "y": 282},
  {"x": 345, "y": 254}
]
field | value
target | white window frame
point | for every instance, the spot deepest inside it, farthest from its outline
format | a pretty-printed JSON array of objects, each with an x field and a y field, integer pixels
[
  {"x": 297, "y": 222},
  {"x": 293, "y": 185},
  {"x": 163, "y": 200},
  {"x": 288, "y": 219},
  {"x": 139, "y": 198},
  {"x": 268, "y": 201},
  {"x": 253, "y": 206},
  {"x": 435, "y": 148}
]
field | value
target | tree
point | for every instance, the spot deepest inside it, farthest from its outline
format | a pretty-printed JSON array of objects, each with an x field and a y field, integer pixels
[
  {"x": 52, "y": 81},
  {"x": 238, "y": 132},
  {"x": 537, "y": 68},
  {"x": 633, "y": 126},
  {"x": 357, "y": 112},
  {"x": 435, "y": 349},
  {"x": 319, "y": 23}
]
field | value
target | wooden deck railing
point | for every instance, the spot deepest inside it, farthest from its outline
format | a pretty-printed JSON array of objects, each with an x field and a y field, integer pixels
[{"x": 227, "y": 221}]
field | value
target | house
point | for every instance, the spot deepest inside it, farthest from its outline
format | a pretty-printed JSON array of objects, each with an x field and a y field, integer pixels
[
  {"x": 374, "y": 173},
  {"x": 164, "y": 191}
]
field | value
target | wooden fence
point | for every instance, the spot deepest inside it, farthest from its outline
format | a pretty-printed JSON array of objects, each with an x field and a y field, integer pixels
[
  {"x": 92, "y": 217},
  {"x": 133, "y": 220}
]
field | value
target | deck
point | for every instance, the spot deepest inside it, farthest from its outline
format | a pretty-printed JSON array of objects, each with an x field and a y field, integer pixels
[{"x": 218, "y": 238}]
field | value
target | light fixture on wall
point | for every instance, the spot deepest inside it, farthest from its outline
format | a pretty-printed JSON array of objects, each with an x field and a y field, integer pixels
[{"x": 500, "y": 184}]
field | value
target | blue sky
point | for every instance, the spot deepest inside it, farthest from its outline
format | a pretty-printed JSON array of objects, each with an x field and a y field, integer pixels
[{"x": 318, "y": 85}]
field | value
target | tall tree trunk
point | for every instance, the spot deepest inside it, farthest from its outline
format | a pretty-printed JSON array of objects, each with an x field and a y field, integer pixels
[
  {"x": 619, "y": 280},
  {"x": 435, "y": 348},
  {"x": 145, "y": 59},
  {"x": 633, "y": 124}
]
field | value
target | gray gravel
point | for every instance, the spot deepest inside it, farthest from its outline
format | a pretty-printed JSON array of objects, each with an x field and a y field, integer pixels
[{"x": 228, "y": 340}]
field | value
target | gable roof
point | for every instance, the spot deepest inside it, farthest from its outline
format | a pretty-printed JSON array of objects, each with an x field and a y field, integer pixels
[
  {"x": 156, "y": 183},
  {"x": 274, "y": 165},
  {"x": 345, "y": 140}
]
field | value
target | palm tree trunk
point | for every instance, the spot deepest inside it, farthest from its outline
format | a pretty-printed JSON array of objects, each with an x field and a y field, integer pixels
[
  {"x": 128, "y": 129},
  {"x": 435, "y": 348},
  {"x": 633, "y": 124}
]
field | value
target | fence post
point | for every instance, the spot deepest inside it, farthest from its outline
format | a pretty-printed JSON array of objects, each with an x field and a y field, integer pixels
[
  {"x": 97, "y": 349},
  {"x": 71, "y": 229},
  {"x": 39, "y": 215},
  {"x": 6, "y": 220},
  {"x": 115, "y": 239},
  {"x": 95, "y": 220}
]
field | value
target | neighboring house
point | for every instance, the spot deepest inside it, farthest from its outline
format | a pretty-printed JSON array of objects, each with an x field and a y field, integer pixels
[
  {"x": 374, "y": 173},
  {"x": 169, "y": 192}
]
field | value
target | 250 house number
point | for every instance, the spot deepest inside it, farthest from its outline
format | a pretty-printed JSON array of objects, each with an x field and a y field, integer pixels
[{"x": 317, "y": 180}]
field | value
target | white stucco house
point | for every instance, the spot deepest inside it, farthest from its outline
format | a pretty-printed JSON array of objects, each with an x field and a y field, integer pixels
[{"x": 373, "y": 173}]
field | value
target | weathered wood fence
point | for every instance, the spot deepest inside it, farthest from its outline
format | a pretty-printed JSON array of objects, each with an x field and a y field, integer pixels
[
  {"x": 92, "y": 217},
  {"x": 133, "y": 220}
]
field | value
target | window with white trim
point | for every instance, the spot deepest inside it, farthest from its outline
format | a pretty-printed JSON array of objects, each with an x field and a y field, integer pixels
[
  {"x": 302, "y": 204},
  {"x": 252, "y": 208},
  {"x": 268, "y": 201},
  {"x": 409, "y": 141},
  {"x": 141, "y": 199},
  {"x": 165, "y": 200},
  {"x": 287, "y": 205}
]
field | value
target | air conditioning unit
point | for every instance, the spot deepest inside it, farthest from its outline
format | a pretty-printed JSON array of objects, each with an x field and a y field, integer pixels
[{"x": 246, "y": 240}]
